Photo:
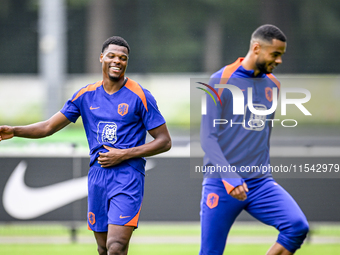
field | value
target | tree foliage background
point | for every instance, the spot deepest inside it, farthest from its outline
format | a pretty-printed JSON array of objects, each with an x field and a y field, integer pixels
[{"x": 177, "y": 35}]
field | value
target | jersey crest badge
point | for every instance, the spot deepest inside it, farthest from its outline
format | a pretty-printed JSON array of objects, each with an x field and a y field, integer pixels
[
  {"x": 123, "y": 109},
  {"x": 107, "y": 132},
  {"x": 269, "y": 94},
  {"x": 92, "y": 218},
  {"x": 212, "y": 200}
]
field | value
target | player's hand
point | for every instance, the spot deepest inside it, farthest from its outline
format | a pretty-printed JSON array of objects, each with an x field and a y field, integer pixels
[
  {"x": 239, "y": 192},
  {"x": 112, "y": 157},
  {"x": 6, "y": 132}
]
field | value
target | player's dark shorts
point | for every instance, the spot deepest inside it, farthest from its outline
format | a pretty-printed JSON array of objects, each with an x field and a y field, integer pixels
[
  {"x": 115, "y": 196},
  {"x": 267, "y": 201}
]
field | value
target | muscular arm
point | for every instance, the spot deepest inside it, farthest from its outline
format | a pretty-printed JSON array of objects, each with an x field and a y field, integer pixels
[
  {"x": 161, "y": 143},
  {"x": 214, "y": 154},
  {"x": 36, "y": 130}
]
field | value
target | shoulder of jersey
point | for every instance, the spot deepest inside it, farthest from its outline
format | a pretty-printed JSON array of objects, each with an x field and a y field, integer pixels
[
  {"x": 274, "y": 79},
  {"x": 230, "y": 69},
  {"x": 130, "y": 85},
  {"x": 227, "y": 72},
  {"x": 138, "y": 90},
  {"x": 88, "y": 88}
]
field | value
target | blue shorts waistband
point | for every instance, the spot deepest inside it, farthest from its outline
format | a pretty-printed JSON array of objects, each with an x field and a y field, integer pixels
[{"x": 95, "y": 163}]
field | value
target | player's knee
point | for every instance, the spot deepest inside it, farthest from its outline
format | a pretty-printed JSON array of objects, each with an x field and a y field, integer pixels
[
  {"x": 305, "y": 227},
  {"x": 116, "y": 246},
  {"x": 292, "y": 237},
  {"x": 300, "y": 228}
]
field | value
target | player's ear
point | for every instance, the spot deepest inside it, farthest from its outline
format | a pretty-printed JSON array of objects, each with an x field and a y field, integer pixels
[
  {"x": 256, "y": 47},
  {"x": 101, "y": 57}
]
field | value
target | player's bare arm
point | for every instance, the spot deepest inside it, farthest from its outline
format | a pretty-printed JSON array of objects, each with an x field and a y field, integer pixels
[
  {"x": 239, "y": 192},
  {"x": 36, "y": 130},
  {"x": 161, "y": 143}
]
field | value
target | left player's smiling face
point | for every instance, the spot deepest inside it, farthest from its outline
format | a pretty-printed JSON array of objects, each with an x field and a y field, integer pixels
[
  {"x": 270, "y": 55},
  {"x": 114, "y": 61}
]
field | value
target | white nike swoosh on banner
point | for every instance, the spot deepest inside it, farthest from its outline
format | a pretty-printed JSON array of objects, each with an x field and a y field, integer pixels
[{"x": 23, "y": 202}]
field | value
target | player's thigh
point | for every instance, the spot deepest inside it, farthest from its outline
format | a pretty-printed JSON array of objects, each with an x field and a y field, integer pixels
[
  {"x": 274, "y": 206},
  {"x": 97, "y": 199},
  {"x": 218, "y": 212},
  {"x": 115, "y": 196},
  {"x": 101, "y": 238},
  {"x": 119, "y": 236},
  {"x": 126, "y": 196}
]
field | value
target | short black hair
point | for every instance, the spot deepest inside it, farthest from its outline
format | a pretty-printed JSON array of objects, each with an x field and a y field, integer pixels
[
  {"x": 268, "y": 33},
  {"x": 116, "y": 40}
]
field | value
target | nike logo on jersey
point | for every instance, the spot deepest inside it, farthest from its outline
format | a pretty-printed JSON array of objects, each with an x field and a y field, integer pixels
[
  {"x": 123, "y": 217},
  {"x": 94, "y": 108},
  {"x": 23, "y": 202}
]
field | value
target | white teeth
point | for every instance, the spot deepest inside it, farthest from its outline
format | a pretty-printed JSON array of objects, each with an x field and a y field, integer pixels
[{"x": 115, "y": 68}]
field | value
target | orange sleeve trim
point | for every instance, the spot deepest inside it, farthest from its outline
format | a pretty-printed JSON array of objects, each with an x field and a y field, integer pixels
[
  {"x": 276, "y": 81},
  {"x": 227, "y": 186},
  {"x": 88, "y": 88},
  {"x": 227, "y": 72},
  {"x": 134, "y": 222},
  {"x": 137, "y": 89}
]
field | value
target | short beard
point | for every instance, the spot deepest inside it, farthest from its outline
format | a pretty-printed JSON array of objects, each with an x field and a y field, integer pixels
[
  {"x": 262, "y": 67},
  {"x": 115, "y": 79}
]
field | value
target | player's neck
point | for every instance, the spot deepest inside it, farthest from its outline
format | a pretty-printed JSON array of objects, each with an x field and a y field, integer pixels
[
  {"x": 112, "y": 86},
  {"x": 248, "y": 63}
]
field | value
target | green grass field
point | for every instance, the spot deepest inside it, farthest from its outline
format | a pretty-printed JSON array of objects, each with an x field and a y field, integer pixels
[
  {"x": 158, "y": 249},
  {"x": 152, "y": 231}
]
